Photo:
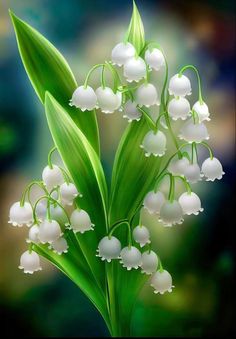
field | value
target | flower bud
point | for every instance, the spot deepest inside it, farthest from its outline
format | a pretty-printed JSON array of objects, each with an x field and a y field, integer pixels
[
  {"x": 33, "y": 234},
  {"x": 146, "y": 95},
  {"x": 30, "y": 262},
  {"x": 192, "y": 173},
  {"x": 149, "y": 262},
  {"x": 80, "y": 221},
  {"x": 84, "y": 98},
  {"x": 131, "y": 112},
  {"x": 49, "y": 230},
  {"x": 202, "y": 111},
  {"x": 59, "y": 246},
  {"x": 171, "y": 213},
  {"x": 134, "y": 69},
  {"x": 109, "y": 248},
  {"x": 122, "y": 52},
  {"x": 130, "y": 257},
  {"x": 154, "y": 143},
  {"x": 155, "y": 58},
  {"x": 52, "y": 177},
  {"x": 68, "y": 193},
  {"x": 141, "y": 235},
  {"x": 153, "y": 202},
  {"x": 162, "y": 282},
  {"x": 178, "y": 167},
  {"x": 20, "y": 215},
  {"x": 179, "y": 108},
  {"x": 194, "y": 132},
  {"x": 212, "y": 169},
  {"x": 108, "y": 101},
  {"x": 180, "y": 86},
  {"x": 190, "y": 203}
]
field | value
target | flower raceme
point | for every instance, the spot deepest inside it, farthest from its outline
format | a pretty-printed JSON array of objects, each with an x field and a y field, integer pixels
[{"x": 56, "y": 215}]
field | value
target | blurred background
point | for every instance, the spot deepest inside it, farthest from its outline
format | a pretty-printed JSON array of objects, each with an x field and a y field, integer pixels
[{"x": 199, "y": 254}]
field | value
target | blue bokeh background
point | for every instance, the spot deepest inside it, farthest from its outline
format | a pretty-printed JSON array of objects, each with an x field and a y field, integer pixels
[{"x": 200, "y": 254}]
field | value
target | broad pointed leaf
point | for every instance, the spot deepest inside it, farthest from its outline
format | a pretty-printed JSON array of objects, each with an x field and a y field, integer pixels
[
  {"x": 135, "y": 34},
  {"x": 85, "y": 169},
  {"x": 48, "y": 71}
]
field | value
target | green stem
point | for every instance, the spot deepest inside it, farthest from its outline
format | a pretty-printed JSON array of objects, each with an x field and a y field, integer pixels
[
  {"x": 198, "y": 78},
  {"x": 149, "y": 120},
  {"x": 50, "y": 157},
  {"x": 118, "y": 224},
  {"x": 102, "y": 77},
  {"x": 89, "y": 74},
  {"x": 171, "y": 195},
  {"x": 187, "y": 185},
  {"x": 208, "y": 147},
  {"x": 27, "y": 190}
]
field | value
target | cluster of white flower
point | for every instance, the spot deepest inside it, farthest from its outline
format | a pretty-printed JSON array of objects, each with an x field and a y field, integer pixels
[
  {"x": 131, "y": 257},
  {"x": 49, "y": 221}
]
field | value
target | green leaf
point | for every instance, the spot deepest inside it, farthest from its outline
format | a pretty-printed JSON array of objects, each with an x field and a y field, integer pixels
[
  {"x": 48, "y": 71},
  {"x": 86, "y": 171},
  {"x": 135, "y": 34},
  {"x": 133, "y": 176},
  {"x": 70, "y": 265}
]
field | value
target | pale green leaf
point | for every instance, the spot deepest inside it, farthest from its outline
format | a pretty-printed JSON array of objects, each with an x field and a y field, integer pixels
[
  {"x": 48, "y": 71},
  {"x": 135, "y": 34}
]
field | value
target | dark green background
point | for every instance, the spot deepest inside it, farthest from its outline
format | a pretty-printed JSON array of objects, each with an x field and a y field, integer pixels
[{"x": 199, "y": 254}]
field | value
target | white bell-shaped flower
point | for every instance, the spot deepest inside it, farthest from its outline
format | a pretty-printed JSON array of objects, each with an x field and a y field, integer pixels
[
  {"x": 141, "y": 235},
  {"x": 122, "y": 52},
  {"x": 171, "y": 213},
  {"x": 130, "y": 257},
  {"x": 177, "y": 167},
  {"x": 202, "y": 111},
  {"x": 58, "y": 214},
  {"x": 41, "y": 210},
  {"x": 134, "y": 69},
  {"x": 155, "y": 58},
  {"x": 192, "y": 173},
  {"x": 59, "y": 246},
  {"x": 52, "y": 177},
  {"x": 162, "y": 282},
  {"x": 80, "y": 221},
  {"x": 33, "y": 234},
  {"x": 20, "y": 215},
  {"x": 109, "y": 248},
  {"x": 49, "y": 231},
  {"x": 153, "y": 201},
  {"x": 149, "y": 262},
  {"x": 68, "y": 193},
  {"x": 84, "y": 98},
  {"x": 179, "y": 108},
  {"x": 190, "y": 203},
  {"x": 146, "y": 95},
  {"x": 193, "y": 132},
  {"x": 180, "y": 86},
  {"x": 154, "y": 143},
  {"x": 30, "y": 262},
  {"x": 108, "y": 101},
  {"x": 131, "y": 112},
  {"x": 212, "y": 169}
]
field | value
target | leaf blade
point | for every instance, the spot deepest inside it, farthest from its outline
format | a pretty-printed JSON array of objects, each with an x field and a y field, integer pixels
[
  {"x": 48, "y": 70},
  {"x": 86, "y": 171}
]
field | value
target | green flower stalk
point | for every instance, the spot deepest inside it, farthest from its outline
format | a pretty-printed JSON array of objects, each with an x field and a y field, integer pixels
[{"x": 99, "y": 245}]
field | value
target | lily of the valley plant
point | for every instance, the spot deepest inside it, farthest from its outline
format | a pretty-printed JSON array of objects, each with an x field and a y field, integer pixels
[{"x": 95, "y": 237}]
